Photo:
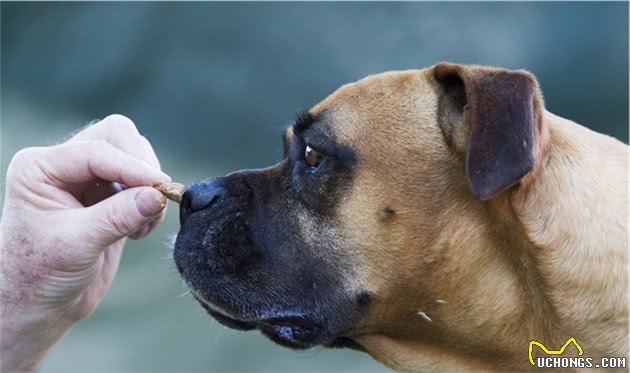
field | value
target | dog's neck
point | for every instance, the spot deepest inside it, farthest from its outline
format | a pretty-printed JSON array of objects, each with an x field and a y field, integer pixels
[
  {"x": 575, "y": 214},
  {"x": 551, "y": 264}
]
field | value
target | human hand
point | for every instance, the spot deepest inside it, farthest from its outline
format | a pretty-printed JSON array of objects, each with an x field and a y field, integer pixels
[{"x": 67, "y": 211}]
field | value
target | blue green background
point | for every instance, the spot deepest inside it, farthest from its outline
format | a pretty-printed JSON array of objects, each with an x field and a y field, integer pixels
[{"x": 212, "y": 85}]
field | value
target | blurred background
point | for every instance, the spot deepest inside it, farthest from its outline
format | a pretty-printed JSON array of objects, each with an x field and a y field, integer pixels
[{"x": 212, "y": 85}]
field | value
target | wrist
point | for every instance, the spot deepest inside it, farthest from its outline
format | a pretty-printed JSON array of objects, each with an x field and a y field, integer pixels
[
  {"x": 27, "y": 331},
  {"x": 27, "y": 337}
]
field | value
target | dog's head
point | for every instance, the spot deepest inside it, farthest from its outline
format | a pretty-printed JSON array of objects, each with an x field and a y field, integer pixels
[{"x": 363, "y": 226}]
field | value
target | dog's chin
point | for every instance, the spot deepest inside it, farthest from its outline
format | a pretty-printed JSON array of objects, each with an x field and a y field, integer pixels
[{"x": 295, "y": 331}]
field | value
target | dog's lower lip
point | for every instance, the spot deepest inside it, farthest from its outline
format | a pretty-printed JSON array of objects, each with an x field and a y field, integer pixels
[
  {"x": 294, "y": 332},
  {"x": 297, "y": 321},
  {"x": 231, "y": 322}
]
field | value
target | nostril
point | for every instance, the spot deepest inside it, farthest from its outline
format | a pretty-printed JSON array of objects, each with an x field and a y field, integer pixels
[
  {"x": 199, "y": 196},
  {"x": 204, "y": 198},
  {"x": 185, "y": 202},
  {"x": 184, "y": 207}
]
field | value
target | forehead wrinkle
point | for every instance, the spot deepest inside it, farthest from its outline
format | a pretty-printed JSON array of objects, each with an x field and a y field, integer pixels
[
  {"x": 313, "y": 127},
  {"x": 303, "y": 122}
]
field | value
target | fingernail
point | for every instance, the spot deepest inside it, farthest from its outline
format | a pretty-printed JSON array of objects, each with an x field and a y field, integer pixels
[{"x": 150, "y": 202}]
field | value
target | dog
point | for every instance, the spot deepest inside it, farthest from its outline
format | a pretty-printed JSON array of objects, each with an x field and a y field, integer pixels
[{"x": 436, "y": 219}]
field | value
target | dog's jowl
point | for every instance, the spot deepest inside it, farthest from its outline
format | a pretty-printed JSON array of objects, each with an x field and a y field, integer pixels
[{"x": 437, "y": 218}]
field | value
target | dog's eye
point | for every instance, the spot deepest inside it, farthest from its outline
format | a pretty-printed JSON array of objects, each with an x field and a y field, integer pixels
[{"x": 312, "y": 157}]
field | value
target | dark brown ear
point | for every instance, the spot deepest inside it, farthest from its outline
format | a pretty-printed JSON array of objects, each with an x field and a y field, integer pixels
[{"x": 492, "y": 115}]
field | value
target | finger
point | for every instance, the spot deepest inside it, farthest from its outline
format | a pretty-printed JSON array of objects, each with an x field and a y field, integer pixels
[
  {"x": 121, "y": 215},
  {"x": 140, "y": 233},
  {"x": 82, "y": 161},
  {"x": 148, "y": 149},
  {"x": 121, "y": 132},
  {"x": 157, "y": 221},
  {"x": 148, "y": 228},
  {"x": 110, "y": 265}
]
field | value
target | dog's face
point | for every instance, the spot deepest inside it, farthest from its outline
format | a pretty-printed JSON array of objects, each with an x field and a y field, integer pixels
[{"x": 348, "y": 234}]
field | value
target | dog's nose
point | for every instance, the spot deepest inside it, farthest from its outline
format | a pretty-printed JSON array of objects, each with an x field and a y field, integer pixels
[{"x": 199, "y": 196}]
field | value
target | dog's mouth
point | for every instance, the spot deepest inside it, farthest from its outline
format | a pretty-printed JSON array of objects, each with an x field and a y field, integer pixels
[
  {"x": 294, "y": 331},
  {"x": 230, "y": 322}
]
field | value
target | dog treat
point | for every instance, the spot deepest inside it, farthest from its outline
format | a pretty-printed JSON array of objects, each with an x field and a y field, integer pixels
[{"x": 172, "y": 191}]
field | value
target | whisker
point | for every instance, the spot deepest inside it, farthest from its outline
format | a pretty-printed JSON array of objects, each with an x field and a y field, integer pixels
[{"x": 424, "y": 315}]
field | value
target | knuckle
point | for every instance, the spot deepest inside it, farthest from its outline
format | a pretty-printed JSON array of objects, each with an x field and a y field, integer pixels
[
  {"x": 95, "y": 151},
  {"x": 23, "y": 160},
  {"x": 87, "y": 149},
  {"x": 96, "y": 147},
  {"x": 24, "y": 155},
  {"x": 121, "y": 123}
]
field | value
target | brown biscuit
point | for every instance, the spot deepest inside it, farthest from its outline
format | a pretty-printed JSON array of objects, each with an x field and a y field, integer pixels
[{"x": 172, "y": 191}]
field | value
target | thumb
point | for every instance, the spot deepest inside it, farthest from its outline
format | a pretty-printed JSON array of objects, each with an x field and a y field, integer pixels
[{"x": 122, "y": 214}]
